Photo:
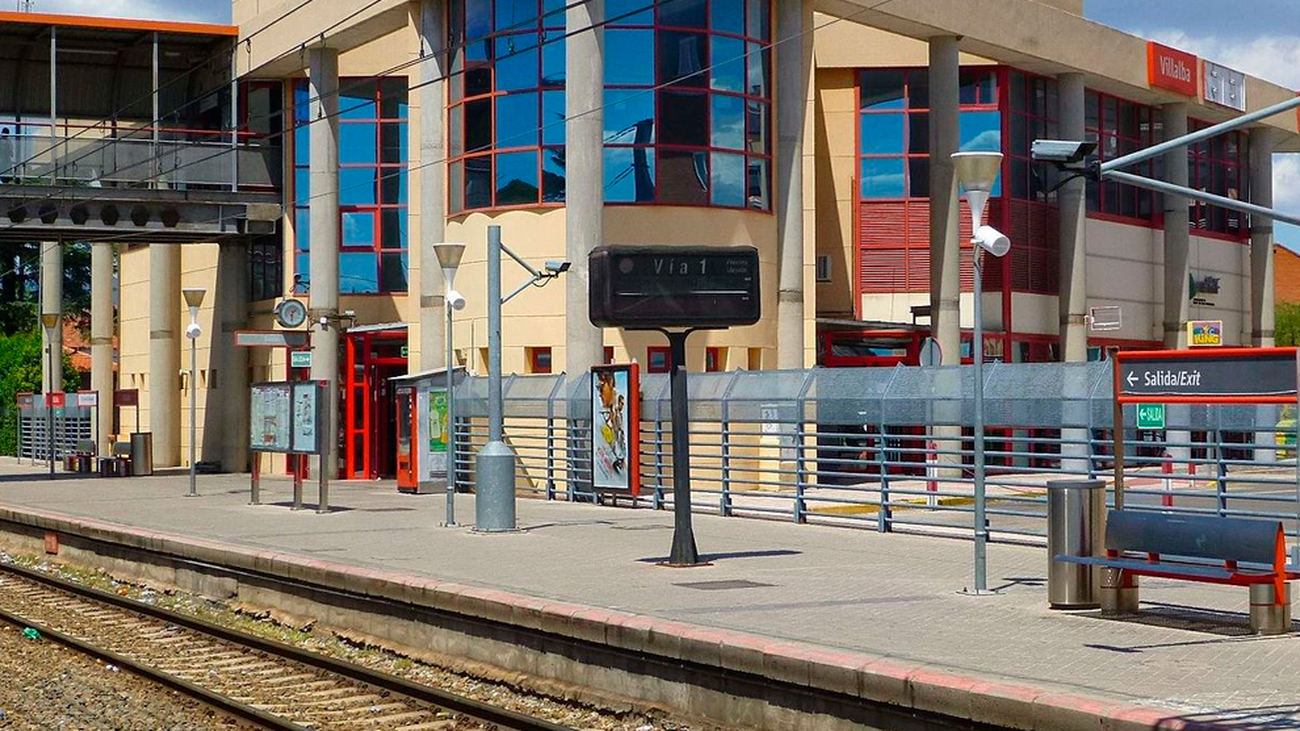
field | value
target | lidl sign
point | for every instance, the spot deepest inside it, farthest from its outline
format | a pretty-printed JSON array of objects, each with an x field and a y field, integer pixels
[{"x": 1204, "y": 333}]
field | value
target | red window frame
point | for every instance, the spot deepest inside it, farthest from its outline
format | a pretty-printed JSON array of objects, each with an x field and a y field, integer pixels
[
  {"x": 1214, "y": 165},
  {"x": 658, "y": 350},
  {"x": 1110, "y": 195}
]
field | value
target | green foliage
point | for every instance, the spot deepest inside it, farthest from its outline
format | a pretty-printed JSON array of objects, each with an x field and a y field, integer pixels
[
  {"x": 20, "y": 371},
  {"x": 1287, "y": 323}
]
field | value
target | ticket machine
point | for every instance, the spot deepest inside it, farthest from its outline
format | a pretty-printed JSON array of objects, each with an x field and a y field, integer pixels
[{"x": 408, "y": 458}]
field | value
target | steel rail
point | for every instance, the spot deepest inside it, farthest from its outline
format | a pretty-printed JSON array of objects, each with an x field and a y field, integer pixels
[
  {"x": 500, "y": 717},
  {"x": 222, "y": 703}
]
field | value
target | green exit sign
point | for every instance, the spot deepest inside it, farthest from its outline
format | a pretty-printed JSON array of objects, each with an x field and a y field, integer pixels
[
  {"x": 1151, "y": 416},
  {"x": 405, "y": 352},
  {"x": 300, "y": 359}
]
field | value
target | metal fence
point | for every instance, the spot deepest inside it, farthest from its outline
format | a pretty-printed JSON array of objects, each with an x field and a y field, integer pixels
[
  {"x": 72, "y": 426},
  {"x": 891, "y": 448}
]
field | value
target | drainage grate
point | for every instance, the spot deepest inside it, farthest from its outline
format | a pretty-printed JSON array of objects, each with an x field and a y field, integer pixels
[{"x": 723, "y": 584}]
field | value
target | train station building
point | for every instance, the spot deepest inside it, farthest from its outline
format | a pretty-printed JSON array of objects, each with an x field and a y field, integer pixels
[{"x": 817, "y": 132}]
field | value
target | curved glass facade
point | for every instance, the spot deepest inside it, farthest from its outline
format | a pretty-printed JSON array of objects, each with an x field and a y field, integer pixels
[{"x": 687, "y": 103}]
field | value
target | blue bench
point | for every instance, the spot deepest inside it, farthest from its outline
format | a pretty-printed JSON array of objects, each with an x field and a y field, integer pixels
[{"x": 1231, "y": 551}]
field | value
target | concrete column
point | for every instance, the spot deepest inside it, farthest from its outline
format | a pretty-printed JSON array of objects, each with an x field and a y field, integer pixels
[
  {"x": 101, "y": 337},
  {"x": 1261, "y": 238},
  {"x": 1073, "y": 298},
  {"x": 1177, "y": 238},
  {"x": 433, "y": 189},
  {"x": 584, "y": 165},
  {"x": 945, "y": 249},
  {"x": 165, "y": 306},
  {"x": 324, "y": 257},
  {"x": 52, "y": 303},
  {"x": 226, "y": 417},
  {"x": 793, "y": 72}
]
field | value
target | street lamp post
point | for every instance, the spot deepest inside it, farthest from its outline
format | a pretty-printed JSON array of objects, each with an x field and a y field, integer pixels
[
  {"x": 449, "y": 255},
  {"x": 977, "y": 172},
  {"x": 193, "y": 299},
  {"x": 50, "y": 320}
]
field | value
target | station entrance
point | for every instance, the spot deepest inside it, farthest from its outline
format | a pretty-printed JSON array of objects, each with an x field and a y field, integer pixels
[{"x": 368, "y": 407}]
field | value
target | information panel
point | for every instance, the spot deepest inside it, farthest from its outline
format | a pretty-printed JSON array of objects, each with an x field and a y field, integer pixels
[
  {"x": 1236, "y": 375},
  {"x": 286, "y": 417},
  {"x": 674, "y": 286}
]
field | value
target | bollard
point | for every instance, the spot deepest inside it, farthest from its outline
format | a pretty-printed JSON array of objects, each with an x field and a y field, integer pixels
[
  {"x": 1075, "y": 520},
  {"x": 1119, "y": 592},
  {"x": 1167, "y": 468},
  {"x": 1267, "y": 615},
  {"x": 931, "y": 473}
]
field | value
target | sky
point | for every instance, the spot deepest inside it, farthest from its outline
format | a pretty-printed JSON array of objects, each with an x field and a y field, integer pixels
[{"x": 1259, "y": 37}]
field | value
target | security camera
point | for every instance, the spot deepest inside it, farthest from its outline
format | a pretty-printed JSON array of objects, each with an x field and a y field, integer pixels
[
  {"x": 455, "y": 300},
  {"x": 1061, "y": 151},
  {"x": 324, "y": 322},
  {"x": 555, "y": 267},
  {"x": 193, "y": 331},
  {"x": 992, "y": 240}
]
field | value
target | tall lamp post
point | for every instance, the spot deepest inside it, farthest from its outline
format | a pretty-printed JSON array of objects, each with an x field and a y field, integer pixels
[
  {"x": 977, "y": 172},
  {"x": 449, "y": 255},
  {"x": 50, "y": 321},
  {"x": 193, "y": 299}
]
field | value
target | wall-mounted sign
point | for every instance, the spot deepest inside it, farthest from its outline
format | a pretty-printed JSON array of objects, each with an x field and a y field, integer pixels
[
  {"x": 1204, "y": 290},
  {"x": 1172, "y": 69},
  {"x": 1205, "y": 333},
  {"x": 1151, "y": 416},
  {"x": 271, "y": 338},
  {"x": 616, "y": 421},
  {"x": 26, "y": 400},
  {"x": 126, "y": 397},
  {"x": 306, "y": 418},
  {"x": 87, "y": 399},
  {"x": 56, "y": 400},
  {"x": 300, "y": 359},
  {"x": 271, "y": 416},
  {"x": 1224, "y": 86},
  {"x": 1105, "y": 318},
  {"x": 1226, "y": 375}
]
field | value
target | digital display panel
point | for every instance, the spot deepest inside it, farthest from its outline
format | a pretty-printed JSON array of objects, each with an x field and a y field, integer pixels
[{"x": 674, "y": 286}]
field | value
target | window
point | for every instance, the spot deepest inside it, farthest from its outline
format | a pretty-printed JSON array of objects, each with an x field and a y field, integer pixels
[
  {"x": 894, "y": 128},
  {"x": 1218, "y": 166},
  {"x": 266, "y": 267},
  {"x": 715, "y": 359},
  {"x": 372, "y": 185},
  {"x": 1031, "y": 216},
  {"x": 659, "y": 359},
  {"x": 1119, "y": 127},
  {"x": 1032, "y": 115},
  {"x": 823, "y": 268},
  {"x": 702, "y": 138},
  {"x": 539, "y": 360},
  {"x": 609, "y": 354}
]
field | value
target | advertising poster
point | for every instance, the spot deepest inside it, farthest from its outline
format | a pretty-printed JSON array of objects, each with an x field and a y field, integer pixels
[
  {"x": 271, "y": 417},
  {"x": 305, "y": 417},
  {"x": 439, "y": 436},
  {"x": 615, "y": 418}
]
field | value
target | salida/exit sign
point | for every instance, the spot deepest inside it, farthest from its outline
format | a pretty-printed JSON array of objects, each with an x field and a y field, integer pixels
[{"x": 1151, "y": 416}]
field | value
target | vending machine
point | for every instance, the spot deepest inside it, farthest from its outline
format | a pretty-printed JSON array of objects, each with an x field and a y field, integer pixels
[
  {"x": 405, "y": 403},
  {"x": 423, "y": 432}
]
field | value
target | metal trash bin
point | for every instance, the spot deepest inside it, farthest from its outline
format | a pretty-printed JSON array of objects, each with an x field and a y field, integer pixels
[
  {"x": 141, "y": 453},
  {"x": 1076, "y": 519}
]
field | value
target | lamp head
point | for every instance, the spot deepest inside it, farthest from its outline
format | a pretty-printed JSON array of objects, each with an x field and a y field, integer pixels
[
  {"x": 449, "y": 254},
  {"x": 992, "y": 240},
  {"x": 193, "y": 296},
  {"x": 50, "y": 320},
  {"x": 977, "y": 171}
]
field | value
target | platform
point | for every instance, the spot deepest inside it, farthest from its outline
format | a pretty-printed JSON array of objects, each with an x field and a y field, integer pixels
[{"x": 881, "y": 614}]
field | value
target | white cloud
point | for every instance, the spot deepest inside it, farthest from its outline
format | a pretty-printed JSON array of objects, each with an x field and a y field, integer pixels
[
  {"x": 211, "y": 11},
  {"x": 1275, "y": 57}
]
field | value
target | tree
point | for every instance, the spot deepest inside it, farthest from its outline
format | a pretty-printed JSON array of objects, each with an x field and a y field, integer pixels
[
  {"x": 1286, "y": 323},
  {"x": 21, "y": 357}
]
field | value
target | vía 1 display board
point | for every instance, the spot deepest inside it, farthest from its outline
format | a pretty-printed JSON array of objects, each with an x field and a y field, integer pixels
[{"x": 286, "y": 416}]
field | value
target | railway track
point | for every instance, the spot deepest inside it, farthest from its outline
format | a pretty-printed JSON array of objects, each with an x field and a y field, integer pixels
[{"x": 268, "y": 683}]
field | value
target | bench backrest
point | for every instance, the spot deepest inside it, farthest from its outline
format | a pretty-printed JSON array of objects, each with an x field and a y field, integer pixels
[{"x": 1224, "y": 539}]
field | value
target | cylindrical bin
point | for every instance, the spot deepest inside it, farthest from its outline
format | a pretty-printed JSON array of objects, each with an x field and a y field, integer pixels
[
  {"x": 1076, "y": 518},
  {"x": 141, "y": 453}
]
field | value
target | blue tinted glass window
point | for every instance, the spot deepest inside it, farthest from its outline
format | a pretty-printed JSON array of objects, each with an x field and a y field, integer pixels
[
  {"x": 757, "y": 183},
  {"x": 881, "y": 90},
  {"x": 756, "y": 69},
  {"x": 682, "y": 58},
  {"x": 728, "y": 64},
  {"x": 302, "y": 229},
  {"x": 683, "y": 177},
  {"x": 883, "y": 178},
  {"x": 553, "y": 13},
  {"x": 628, "y": 12},
  {"x": 727, "y": 186},
  {"x": 758, "y": 19},
  {"x": 517, "y": 120},
  {"x": 392, "y": 228},
  {"x": 357, "y": 186},
  {"x": 683, "y": 116},
  {"x": 478, "y": 18},
  {"x": 393, "y": 97},
  {"x": 358, "y": 228},
  {"x": 629, "y": 116},
  {"x": 757, "y": 121},
  {"x": 357, "y": 144},
  {"x": 393, "y": 142},
  {"x": 728, "y": 122},
  {"x": 629, "y": 57},
  {"x": 682, "y": 13},
  {"x": 357, "y": 99},
  {"x": 553, "y": 117},
  {"x": 517, "y": 59},
  {"x": 478, "y": 182},
  {"x": 392, "y": 186},
  {"x": 302, "y": 144},
  {"x": 301, "y": 186},
  {"x": 727, "y": 16},
  {"x": 300, "y": 97},
  {"x": 478, "y": 125},
  {"x": 553, "y": 60},
  {"x": 358, "y": 273},
  {"x": 517, "y": 179},
  {"x": 881, "y": 134},
  {"x": 392, "y": 272},
  {"x": 515, "y": 14},
  {"x": 553, "y": 175},
  {"x": 629, "y": 174},
  {"x": 981, "y": 132},
  {"x": 301, "y": 274}
]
